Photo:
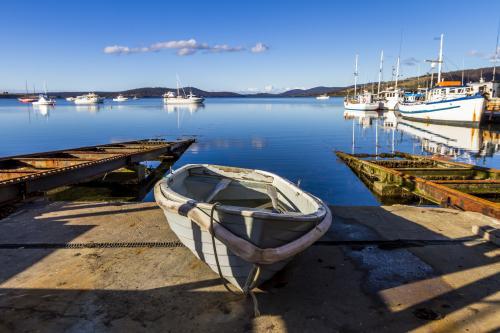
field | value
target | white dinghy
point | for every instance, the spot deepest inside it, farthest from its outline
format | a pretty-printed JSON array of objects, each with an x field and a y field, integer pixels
[{"x": 259, "y": 220}]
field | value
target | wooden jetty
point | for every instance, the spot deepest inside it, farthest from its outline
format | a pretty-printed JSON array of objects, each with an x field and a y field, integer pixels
[
  {"x": 449, "y": 184},
  {"x": 25, "y": 175}
]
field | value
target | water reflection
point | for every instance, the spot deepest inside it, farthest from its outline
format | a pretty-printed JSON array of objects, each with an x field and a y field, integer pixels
[
  {"x": 88, "y": 108},
  {"x": 293, "y": 137},
  {"x": 463, "y": 143},
  {"x": 191, "y": 108},
  {"x": 43, "y": 110},
  {"x": 365, "y": 118}
]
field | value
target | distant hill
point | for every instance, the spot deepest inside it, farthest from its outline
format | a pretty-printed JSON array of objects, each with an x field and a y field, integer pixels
[{"x": 470, "y": 75}]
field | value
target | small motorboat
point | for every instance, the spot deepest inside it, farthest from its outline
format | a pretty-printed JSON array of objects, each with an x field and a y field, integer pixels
[
  {"x": 323, "y": 97},
  {"x": 70, "y": 99},
  {"x": 120, "y": 98},
  {"x": 245, "y": 224},
  {"x": 44, "y": 100}
]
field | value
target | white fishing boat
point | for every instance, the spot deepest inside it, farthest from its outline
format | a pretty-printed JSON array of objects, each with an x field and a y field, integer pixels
[
  {"x": 449, "y": 102},
  {"x": 362, "y": 102},
  {"x": 245, "y": 224},
  {"x": 120, "y": 98},
  {"x": 390, "y": 98},
  {"x": 323, "y": 97},
  {"x": 44, "y": 100},
  {"x": 70, "y": 99},
  {"x": 89, "y": 99}
]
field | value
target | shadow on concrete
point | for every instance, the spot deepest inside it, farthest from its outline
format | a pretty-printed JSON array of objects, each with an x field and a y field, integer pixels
[{"x": 327, "y": 288}]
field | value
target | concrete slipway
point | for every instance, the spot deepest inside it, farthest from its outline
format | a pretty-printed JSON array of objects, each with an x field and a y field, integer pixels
[{"x": 445, "y": 280}]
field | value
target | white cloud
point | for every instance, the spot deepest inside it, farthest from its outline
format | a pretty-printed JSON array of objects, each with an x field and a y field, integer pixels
[
  {"x": 483, "y": 55},
  {"x": 182, "y": 47},
  {"x": 226, "y": 48},
  {"x": 259, "y": 48},
  {"x": 116, "y": 49},
  {"x": 269, "y": 88}
]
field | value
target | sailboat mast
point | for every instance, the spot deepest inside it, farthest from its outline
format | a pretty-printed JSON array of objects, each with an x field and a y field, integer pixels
[
  {"x": 26, "y": 84},
  {"x": 380, "y": 71},
  {"x": 463, "y": 69},
  {"x": 355, "y": 75},
  {"x": 177, "y": 83},
  {"x": 397, "y": 63},
  {"x": 397, "y": 74},
  {"x": 496, "y": 55},
  {"x": 440, "y": 59}
]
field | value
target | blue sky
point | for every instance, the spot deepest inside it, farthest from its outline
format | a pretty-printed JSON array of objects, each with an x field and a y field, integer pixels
[{"x": 209, "y": 43}]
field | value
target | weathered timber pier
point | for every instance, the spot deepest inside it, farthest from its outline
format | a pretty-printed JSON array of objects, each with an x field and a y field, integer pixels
[
  {"x": 26, "y": 175},
  {"x": 449, "y": 184}
]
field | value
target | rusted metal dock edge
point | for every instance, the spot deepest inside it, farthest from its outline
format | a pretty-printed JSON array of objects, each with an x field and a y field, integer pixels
[
  {"x": 449, "y": 184},
  {"x": 23, "y": 175}
]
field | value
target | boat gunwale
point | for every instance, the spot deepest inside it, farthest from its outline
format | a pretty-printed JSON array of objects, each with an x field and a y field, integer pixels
[{"x": 172, "y": 195}]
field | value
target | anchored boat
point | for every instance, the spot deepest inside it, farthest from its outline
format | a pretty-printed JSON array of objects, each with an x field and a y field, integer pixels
[
  {"x": 174, "y": 99},
  {"x": 89, "y": 99},
  {"x": 44, "y": 100},
  {"x": 120, "y": 98},
  {"x": 361, "y": 102},
  {"x": 245, "y": 224},
  {"x": 449, "y": 102}
]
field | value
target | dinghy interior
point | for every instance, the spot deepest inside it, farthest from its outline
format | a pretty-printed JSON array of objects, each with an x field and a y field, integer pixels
[
  {"x": 259, "y": 218},
  {"x": 234, "y": 188}
]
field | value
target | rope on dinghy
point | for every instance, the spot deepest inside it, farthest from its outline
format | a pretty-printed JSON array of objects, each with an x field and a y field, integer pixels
[{"x": 252, "y": 278}]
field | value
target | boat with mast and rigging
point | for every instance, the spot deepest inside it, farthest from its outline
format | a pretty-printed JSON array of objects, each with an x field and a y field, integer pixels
[
  {"x": 391, "y": 96},
  {"x": 364, "y": 101},
  {"x": 172, "y": 98},
  {"x": 28, "y": 98},
  {"x": 44, "y": 99},
  {"x": 449, "y": 102}
]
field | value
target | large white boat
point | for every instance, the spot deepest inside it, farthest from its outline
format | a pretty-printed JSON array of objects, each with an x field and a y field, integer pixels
[
  {"x": 173, "y": 99},
  {"x": 44, "y": 100},
  {"x": 449, "y": 102},
  {"x": 89, "y": 99},
  {"x": 120, "y": 98},
  {"x": 362, "y": 102}
]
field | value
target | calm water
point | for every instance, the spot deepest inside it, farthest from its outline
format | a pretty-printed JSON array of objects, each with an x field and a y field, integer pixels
[{"x": 295, "y": 138}]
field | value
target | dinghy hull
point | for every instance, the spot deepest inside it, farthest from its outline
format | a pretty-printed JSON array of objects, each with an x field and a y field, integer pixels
[{"x": 244, "y": 237}]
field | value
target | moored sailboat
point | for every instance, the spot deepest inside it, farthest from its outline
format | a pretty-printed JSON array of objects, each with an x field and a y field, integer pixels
[
  {"x": 449, "y": 102},
  {"x": 172, "y": 98},
  {"x": 362, "y": 102}
]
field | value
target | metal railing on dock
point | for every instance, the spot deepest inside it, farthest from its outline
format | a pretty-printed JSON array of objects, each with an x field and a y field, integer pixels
[
  {"x": 24, "y": 175},
  {"x": 449, "y": 184}
]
